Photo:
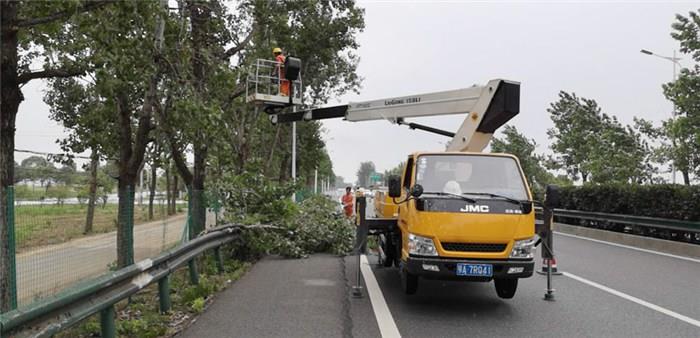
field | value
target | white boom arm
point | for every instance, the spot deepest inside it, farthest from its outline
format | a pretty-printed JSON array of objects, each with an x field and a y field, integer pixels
[{"x": 488, "y": 107}]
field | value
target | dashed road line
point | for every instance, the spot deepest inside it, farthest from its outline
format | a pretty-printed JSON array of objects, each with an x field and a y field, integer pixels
[
  {"x": 385, "y": 321},
  {"x": 641, "y": 302}
]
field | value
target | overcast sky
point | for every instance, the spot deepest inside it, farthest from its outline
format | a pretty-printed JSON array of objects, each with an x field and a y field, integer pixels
[{"x": 590, "y": 48}]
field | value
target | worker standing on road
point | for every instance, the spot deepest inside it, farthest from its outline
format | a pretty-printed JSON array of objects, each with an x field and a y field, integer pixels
[
  {"x": 347, "y": 200},
  {"x": 284, "y": 84}
]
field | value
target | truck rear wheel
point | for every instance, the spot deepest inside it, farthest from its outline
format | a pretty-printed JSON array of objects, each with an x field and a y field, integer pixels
[
  {"x": 505, "y": 288},
  {"x": 409, "y": 282}
]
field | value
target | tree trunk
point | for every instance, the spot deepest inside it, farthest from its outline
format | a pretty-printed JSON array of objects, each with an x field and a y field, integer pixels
[
  {"x": 285, "y": 167},
  {"x": 686, "y": 177},
  {"x": 272, "y": 151},
  {"x": 94, "y": 161},
  {"x": 125, "y": 224},
  {"x": 199, "y": 211},
  {"x": 175, "y": 194},
  {"x": 9, "y": 104},
  {"x": 152, "y": 195},
  {"x": 167, "y": 189}
]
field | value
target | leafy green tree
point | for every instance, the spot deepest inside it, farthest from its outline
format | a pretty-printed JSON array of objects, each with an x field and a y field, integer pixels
[
  {"x": 119, "y": 101},
  {"x": 31, "y": 31},
  {"x": 620, "y": 154},
  {"x": 37, "y": 168},
  {"x": 679, "y": 136},
  {"x": 594, "y": 146},
  {"x": 684, "y": 128},
  {"x": 363, "y": 173},
  {"x": 577, "y": 122},
  {"x": 395, "y": 171},
  {"x": 533, "y": 164}
]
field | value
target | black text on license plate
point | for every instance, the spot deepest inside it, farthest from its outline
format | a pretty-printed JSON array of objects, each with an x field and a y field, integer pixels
[{"x": 480, "y": 270}]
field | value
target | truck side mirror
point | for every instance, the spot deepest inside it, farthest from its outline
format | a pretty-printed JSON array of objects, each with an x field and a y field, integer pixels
[
  {"x": 394, "y": 186},
  {"x": 552, "y": 198},
  {"x": 417, "y": 190},
  {"x": 292, "y": 68}
]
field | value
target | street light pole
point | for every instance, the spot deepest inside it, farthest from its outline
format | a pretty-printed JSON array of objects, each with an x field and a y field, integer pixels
[
  {"x": 315, "y": 181},
  {"x": 675, "y": 62},
  {"x": 294, "y": 154}
]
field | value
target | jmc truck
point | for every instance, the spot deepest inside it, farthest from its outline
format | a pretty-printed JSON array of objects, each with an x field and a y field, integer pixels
[{"x": 462, "y": 214}]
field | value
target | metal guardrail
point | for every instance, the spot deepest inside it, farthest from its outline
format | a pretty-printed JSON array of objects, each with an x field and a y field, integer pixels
[
  {"x": 67, "y": 308},
  {"x": 653, "y": 222},
  {"x": 643, "y": 221}
]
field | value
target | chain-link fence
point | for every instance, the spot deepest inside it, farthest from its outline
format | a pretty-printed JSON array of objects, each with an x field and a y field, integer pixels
[{"x": 57, "y": 246}]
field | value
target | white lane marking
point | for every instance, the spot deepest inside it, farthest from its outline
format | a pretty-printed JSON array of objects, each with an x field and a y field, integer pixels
[
  {"x": 690, "y": 259},
  {"x": 654, "y": 307},
  {"x": 387, "y": 326}
]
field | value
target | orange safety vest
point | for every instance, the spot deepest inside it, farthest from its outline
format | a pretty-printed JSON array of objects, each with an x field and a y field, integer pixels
[
  {"x": 347, "y": 202},
  {"x": 284, "y": 84},
  {"x": 280, "y": 58}
]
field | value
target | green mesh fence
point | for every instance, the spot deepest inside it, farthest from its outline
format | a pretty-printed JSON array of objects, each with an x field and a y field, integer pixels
[{"x": 55, "y": 252}]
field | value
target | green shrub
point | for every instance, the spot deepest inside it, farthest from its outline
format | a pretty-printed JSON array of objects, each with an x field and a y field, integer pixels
[
  {"x": 662, "y": 200},
  {"x": 198, "y": 305}
]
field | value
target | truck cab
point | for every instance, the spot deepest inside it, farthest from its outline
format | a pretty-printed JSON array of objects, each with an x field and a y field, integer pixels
[{"x": 462, "y": 216}]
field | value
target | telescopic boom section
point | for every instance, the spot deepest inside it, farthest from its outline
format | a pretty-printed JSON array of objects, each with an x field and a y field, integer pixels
[{"x": 487, "y": 107}]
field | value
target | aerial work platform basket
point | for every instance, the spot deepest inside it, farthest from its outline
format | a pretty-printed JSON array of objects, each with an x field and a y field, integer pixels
[{"x": 265, "y": 87}]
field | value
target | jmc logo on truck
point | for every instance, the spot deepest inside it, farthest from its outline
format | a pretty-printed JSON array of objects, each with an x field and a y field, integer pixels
[{"x": 475, "y": 208}]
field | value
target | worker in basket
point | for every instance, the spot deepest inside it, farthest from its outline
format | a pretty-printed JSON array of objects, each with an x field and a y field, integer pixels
[{"x": 279, "y": 69}]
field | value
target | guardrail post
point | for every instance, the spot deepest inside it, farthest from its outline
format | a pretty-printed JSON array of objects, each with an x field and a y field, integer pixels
[
  {"x": 219, "y": 260},
  {"x": 164, "y": 294},
  {"x": 107, "y": 322},
  {"x": 194, "y": 274},
  {"x": 12, "y": 268}
]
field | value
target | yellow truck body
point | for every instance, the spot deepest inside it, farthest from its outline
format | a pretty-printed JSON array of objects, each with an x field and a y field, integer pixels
[
  {"x": 473, "y": 212},
  {"x": 384, "y": 206}
]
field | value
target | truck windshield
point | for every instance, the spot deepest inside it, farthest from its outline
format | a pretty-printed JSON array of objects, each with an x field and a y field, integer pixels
[{"x": 460, "y": 174}]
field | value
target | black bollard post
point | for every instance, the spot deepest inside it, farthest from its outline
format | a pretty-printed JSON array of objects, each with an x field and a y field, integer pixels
[
  {"x": 551, "y": 201},
  {"x": 360, "y": 241}
]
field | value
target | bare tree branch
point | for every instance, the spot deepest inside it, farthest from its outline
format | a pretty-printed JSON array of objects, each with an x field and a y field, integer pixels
[
  {"x": 49, "y": 73},
  {"x": 235, "y": 49},
  {"x": 240, "y": 90},
  {"x": 85, "y": 7}
]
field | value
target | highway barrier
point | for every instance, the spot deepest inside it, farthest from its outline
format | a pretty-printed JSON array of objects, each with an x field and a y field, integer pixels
[
  {"x": 671, "y": 229},
  {"x": 56, "y": 313}
]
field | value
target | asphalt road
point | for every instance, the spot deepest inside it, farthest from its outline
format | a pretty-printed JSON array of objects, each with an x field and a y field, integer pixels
[
  {"x": 452, "y": 309},
  {"x": 281, "y": 298},
  {"x": 606, "y": 291}
]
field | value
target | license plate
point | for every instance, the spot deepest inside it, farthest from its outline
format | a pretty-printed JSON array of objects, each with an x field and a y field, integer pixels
[{"x": 479, "y": 270}]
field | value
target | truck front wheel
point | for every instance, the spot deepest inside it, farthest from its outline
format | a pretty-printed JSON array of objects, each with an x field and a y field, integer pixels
[
  {"x": 409, "y": 282},
  {"x": 505, "y": 288}
]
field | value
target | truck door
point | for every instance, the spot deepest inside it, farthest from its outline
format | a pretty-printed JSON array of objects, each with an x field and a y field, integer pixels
[{"x": 404, "y": 208}]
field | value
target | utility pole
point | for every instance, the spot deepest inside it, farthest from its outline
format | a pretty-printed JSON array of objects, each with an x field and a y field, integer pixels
[
  {"x": 316, "y": 181},
  {"x": 675, "y": 61},
  {"x": 294, "y": 153}
]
